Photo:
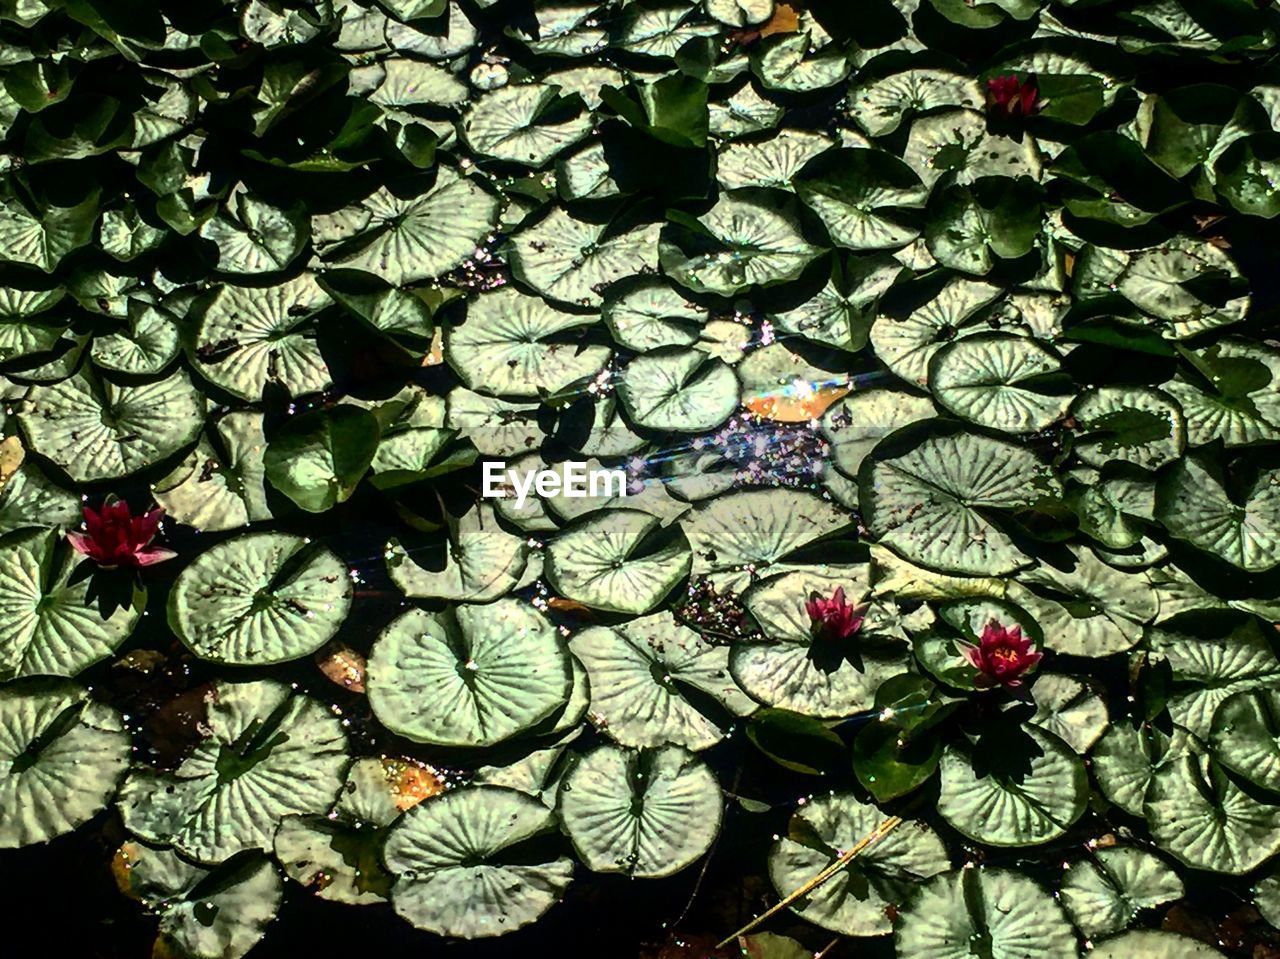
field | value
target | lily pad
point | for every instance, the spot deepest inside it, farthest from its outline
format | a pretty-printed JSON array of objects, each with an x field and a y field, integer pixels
[
  {"x": 858, "y": 900},
  {"x": 1000, "y": 908},
  {"x": 458, "y": 866},
  {"x": 63, "y": 756},
  {"x": 930, "y": 500},
  {"x": 267, "y": 752},
  {"x": 655, "y": 682},
  {"x": 96, "y": 430},
  {"x": 470, "y": 677},
  {"x": 259, "y": 599},
  {"x": 1024, "y": 790},
  {"x": 618, "y": 561},
  {"x": 647, "y": 814}
]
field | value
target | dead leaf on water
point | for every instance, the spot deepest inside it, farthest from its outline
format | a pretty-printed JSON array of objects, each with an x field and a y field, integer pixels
[
  {"x": 343, "y": 666},
  {"x": 11, "y": 457}
]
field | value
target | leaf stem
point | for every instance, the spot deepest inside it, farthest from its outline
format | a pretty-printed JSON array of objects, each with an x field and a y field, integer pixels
[{"x": 882, "y": 830}]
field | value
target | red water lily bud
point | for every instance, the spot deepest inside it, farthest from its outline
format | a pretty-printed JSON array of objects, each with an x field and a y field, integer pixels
[
  {"x": 1002, "y": 657},
  {"x": 114, "y": 537},
  {"x": 1013, "y": 96},
  {"x": 833, "y": 619}
]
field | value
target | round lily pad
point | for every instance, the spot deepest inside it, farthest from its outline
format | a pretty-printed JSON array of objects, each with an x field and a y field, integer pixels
[
  {"x": 458, "y": 866},
  {"x": 1004, "y": 912},
  {"x": 619, "y": 560},
  {"x": 267, "y": 752},
  {"x": 49, "y": 623},
  {"x": 1017, "y": 790},
  {"x": 259, "y": 599},
  {"x": 655, "y": 682},
  {"x": 648, "y": 814},
  {"x": 858, "y": 900},
  {"x": 471, "y": 677},
  {"x": 62, "y": 756}
]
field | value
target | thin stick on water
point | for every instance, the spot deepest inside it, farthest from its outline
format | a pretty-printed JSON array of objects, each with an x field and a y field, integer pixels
[
  {"x": 882, "y": 830},
  {"x": 831, "y": 945}
]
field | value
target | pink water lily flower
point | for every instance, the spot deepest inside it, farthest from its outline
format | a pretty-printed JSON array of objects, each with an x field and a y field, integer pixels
[
  {"x": 114, "y": 537},
  {"x": 833, "y": 619},
  {"x": 1002, "y": 657},
  {"x": 1013, "y": 96}
]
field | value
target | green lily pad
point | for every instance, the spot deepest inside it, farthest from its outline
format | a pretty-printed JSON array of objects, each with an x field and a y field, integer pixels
[
  {"x": 458, "y": 866},
  {"x": 519, "y": 346},
  {"x": 1243, "y": 530},
  {"x": 63, "y": 756},
  {"x": 221, "y": 484},
  {"x": 858, "y": 900},
  {"x": 267, "y": 752},
  {"x": 1024, "y": 790},
  {"x": 482, "y": 561},
  {"x": 52, "y": 626},
  {"x": 1153, "y": 944},
  {"x": 223, "y": 912},
  {"x": 248, "y": 338},
  {"x": 678, "y": 389},
  {"x": 998, "y": 910},
  {"x": 647, "y": 814},
  {"x": 1104, "y": 894},
  {"x": 1000, "y": 381},
  {"x": 470, "y": 677},
  {"x": 1198, "y": 815},
  {"x": 749, "y": 238},
  {"x": 620, "y": 561},
  {"x": 96, "y": 430},
  {"x": 573, "y": 261},
  {"x": 923, "y": 500},
  {"x": 1245, "y": 736},
  {"x": 655, "y": 682},
  {"x": 403, "y": 240},
  {"x": 259, "y": 599}
]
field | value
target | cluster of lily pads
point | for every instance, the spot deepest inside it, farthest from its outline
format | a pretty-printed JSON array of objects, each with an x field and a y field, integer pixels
[{"x": 936, "y": 340}]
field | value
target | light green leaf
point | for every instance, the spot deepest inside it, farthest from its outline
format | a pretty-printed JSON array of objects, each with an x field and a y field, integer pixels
[
  {"x": 999, "y": 911},
  {"x": 404, "y": 240},
  {"x": 645, "y": 814},
  {"x": 655, "y": 682},
  {"x": 62, "y": 756},
  {"x": 472, "y": 677},
  {"x": 1013, "y": 793},
  {"x": 248, "y": 338},
  {"x": 858, "y": 900},
  {"x": 482, "y": 562},
  {"x": 1243, "y": 530},
  {"x": 574, "y": 261},
  {"x": 923, "y": 501},
  {"x": 1000, "y": 381},
  {"x": 267, "y": 753},
  {"x": 259, "y": 599},
  {"x": 1104, "y": 894},
  {"x": 96, "y": 430},
  {"x": 451, "y": 876},
  {"x": 749, "y": 238},
  {"x": 520, "y": 346},
  {"x": 619, "y": 561}
]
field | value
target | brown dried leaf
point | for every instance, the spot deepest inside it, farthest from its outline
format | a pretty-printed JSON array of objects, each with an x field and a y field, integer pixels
[
  {"x": 411, "y": 781},
  {"x": 343, "y": 666},
  {"x": 785, "y": 19}
]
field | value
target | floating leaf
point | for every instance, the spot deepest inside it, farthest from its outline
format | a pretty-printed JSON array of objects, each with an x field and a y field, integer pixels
[
  {"x": 451, "y": 859},
  {"x": 259, "y": 599},
  {"x": 471, "y": 677},
  {"x": 63, "y": 755},
  {"x": 645, "y": 814}
]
